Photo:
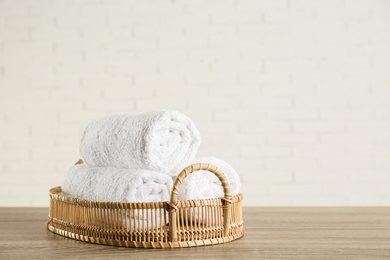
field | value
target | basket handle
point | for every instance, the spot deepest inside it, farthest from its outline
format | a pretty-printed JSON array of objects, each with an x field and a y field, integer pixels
[{"x": 227, "y": 199}]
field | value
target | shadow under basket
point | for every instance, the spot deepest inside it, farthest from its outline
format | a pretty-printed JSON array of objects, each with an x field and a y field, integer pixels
[{"x": 167, "y": 224}]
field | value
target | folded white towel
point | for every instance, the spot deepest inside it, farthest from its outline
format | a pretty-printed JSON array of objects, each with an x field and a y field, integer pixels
[
  {"x": 206, "y": 185},
  {"x": 163, "y": 141},
  {"x": 116, "y": 185}
]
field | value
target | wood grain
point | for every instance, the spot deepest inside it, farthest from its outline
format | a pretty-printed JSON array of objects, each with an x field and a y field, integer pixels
[{"x": 270, "y": 233}]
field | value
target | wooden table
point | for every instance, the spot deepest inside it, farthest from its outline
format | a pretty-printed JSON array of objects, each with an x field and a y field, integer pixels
[{"x": 270, "y": 233}]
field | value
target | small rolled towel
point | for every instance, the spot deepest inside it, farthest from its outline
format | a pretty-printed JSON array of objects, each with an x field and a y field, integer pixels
[
  {"x": 163, "y": 141},
  {"x": 116, "y": 185},
  {"x": 206, "y": 185}
]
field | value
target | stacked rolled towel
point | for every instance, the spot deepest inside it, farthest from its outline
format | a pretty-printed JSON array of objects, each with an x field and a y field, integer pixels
[
  {"x": 116, "y": 185},
  {"x": 164, "y": 141},
  {"x": 119, "y": 185},
  {"x": 205, "y": 185}
]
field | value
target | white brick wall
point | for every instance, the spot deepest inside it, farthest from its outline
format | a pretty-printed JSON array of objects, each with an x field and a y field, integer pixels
[{"x": 295, "y": 94}]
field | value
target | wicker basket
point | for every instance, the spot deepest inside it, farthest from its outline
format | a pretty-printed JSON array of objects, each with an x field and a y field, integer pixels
[{"x": 166, "y": 224}]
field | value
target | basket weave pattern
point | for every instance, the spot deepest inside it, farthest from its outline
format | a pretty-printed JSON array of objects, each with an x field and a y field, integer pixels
[{"x": 166, "y": 224}]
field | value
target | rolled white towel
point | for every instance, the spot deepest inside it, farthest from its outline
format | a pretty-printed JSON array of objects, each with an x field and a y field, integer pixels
[
  {"x": 116, "y": 185},
  {"x": 206, "y": 185},
  {"x": 121, "y": 185},
  {"x": 163, "y": 141}
]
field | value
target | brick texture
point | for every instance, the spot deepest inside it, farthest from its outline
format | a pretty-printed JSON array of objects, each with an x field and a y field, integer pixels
[{"x": 295, "y": 94}]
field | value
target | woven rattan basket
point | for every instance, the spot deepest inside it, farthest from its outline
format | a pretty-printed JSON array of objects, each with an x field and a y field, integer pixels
[{"x": 166, "y": 224}]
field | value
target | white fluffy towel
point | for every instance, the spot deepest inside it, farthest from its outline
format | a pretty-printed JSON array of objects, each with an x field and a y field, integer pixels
[
  {"x": 164, "y": 141},
  {"x": 116, "y": 185},
  {"x": 206, "y": 185}
]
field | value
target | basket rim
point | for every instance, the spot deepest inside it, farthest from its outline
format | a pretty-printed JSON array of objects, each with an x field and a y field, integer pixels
[{"x": 57, "y": 194}]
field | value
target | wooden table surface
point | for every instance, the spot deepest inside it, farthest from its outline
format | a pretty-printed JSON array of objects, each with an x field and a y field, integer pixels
[{"x": 270, "y": 233}]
